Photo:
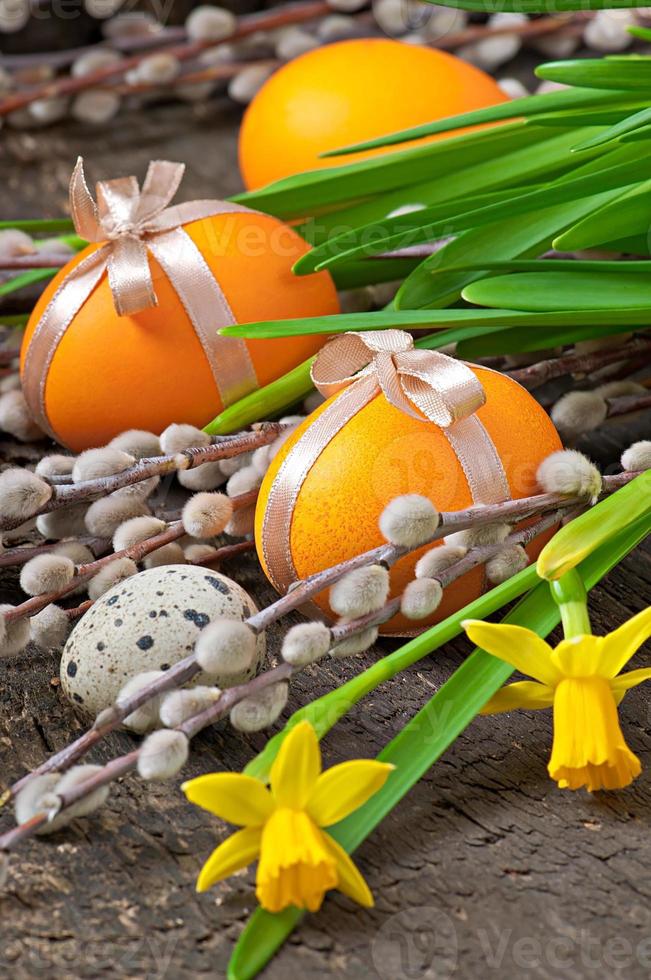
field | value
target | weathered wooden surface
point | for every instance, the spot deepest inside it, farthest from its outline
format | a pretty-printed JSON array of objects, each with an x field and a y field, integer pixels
[{"x": 485, "y": 870}]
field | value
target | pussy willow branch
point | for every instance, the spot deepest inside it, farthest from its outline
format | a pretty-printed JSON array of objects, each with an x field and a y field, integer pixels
[
  {"x": 63, "y": 495},
  {"x": 137, "y": 552},
  {"x": 247, "y": 25},
  {"x": 9, "y": 355},
  {"x": 232, "y": 696},
  {"x": 184, "y": 670},
  {"x": 530, "y": 28},
  {"x": 534, "y": 375},
  {"x": 16, "y": 557},
  {"x": 627, "y": 404},
  {"x": 36, "y": 261}
]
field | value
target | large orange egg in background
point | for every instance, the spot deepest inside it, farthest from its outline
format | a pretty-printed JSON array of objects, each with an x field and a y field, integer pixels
[
  {"x": 381, "y": 453},
  {"x": 348, "y": 92},
  {"x": 110, "y": 373}
]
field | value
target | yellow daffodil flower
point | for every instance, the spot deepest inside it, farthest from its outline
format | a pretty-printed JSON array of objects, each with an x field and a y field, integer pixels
[
  {"x": 581, "y": 680},
  {"x": 283, "y": 824}
]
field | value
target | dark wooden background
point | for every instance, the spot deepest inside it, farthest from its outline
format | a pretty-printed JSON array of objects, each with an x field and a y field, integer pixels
[{"x": 485, "y": 870}]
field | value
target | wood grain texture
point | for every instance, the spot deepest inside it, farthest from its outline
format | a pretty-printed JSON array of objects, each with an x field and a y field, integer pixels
[{"x": 485, "y": 870}]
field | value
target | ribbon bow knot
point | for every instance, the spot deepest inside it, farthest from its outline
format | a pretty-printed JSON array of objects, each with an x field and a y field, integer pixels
[
  {"x": 128, "y": 223},
  {"x": 418, "y": 382}
]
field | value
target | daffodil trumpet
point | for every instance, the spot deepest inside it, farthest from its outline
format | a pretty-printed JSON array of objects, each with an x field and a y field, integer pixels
[
  {"x": 581, "y": 680},
  {"x": 283, "y": 824}
]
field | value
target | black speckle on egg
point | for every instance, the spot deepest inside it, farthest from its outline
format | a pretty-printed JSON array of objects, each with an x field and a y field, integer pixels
[
  {"x": 217, "y": 584},
  {"x": 153, "y": 614},
  {"x": 112, "y": 600},
  {"x": 145, "y": 642},
  {"x": 71, "y": 669},
  {"x": 164, "y": 667},
  {"x": 118, "y": 622},
  {"x": 78, "y": 698},
  {"x": 199, "y": 619},
  {"x": 101, "y": 646}
]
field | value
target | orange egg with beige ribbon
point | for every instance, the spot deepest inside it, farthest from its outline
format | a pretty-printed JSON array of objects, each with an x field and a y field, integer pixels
[
  {"x": 398, "y": 421},
  {"x": 126, "y": 335}
]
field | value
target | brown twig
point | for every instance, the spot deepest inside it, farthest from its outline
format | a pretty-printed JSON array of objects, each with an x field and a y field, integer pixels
[
  {"x": 534, "y": 375},
  {"x": 626, "y": 404},
  {"x": 16, "y": 557},
  {"x": 63, "y": 495},
  {"x": 35, "y": 261},
  {"x": 269, "y": 20}
]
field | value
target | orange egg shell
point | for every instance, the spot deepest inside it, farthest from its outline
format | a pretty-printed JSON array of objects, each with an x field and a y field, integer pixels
[
  {"x": 382, "y": 453},
  {"x": 112, "y": 373},
  {"x": 348, "y": 92}
]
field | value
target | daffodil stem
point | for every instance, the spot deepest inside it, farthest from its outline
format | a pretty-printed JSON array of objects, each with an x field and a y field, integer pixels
[{"x": 571, "y": 597}]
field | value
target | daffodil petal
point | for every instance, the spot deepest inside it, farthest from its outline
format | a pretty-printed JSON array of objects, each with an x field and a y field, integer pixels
[
  {"x": 580, "y": 656},
  {"x": 620, "y": 645},
  {"x": 520, "y": 647},
  {"x": 344, "y": 788},
  {"x": 350, "y": 880},
  {"x": 235, "y": 853},
  {"x": 624, "y": 682},
  {"x": 239, "y": 799},
  {"x": 296, "y": 768},
  {"x": 522, "y": 694}
]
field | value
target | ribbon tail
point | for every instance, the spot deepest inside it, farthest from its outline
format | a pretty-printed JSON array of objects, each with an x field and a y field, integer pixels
[
  {"x": 129, "y": 277},
  {"x": 161, "y": 184},
  {"x": 208, "y": 310},
  {"x": 82, "y": 206},
  {"x": 57, "y": 317}
]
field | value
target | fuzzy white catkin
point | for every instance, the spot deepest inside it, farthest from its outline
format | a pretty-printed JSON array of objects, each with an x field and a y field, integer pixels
[
  {"x": 177, "y": 437},
  {"x": 243, "y": 481},
  {"x": 116, "y": 571},
  {"x": 87, "y": 804},
  {"x": 210, "y": 24},
  {"x": 163, "y": 754},
  {"x": 336, "y": 28},
  {"x": 306, "y": 643},
  {"x": 247, "y": 83},
  {"x": 144, "y": 718},
  {"x": 607, "y": 30},
  {"x": 362, "y": 591},
  {"x": 14, "y": 243},
  {"x": 14, "y": 636},
  {"x": 55, "y": 465},
  {"x": 507, "y": 563},
  {"x": 141, "y": 490},
  {"x": 443, "y": 21},
  {"x": 620, "y": 389},
  {"x": 198, "y": 553},
  {"x": 28, "y": 801},
  {"x": 578, "y": 412},
  {"x": 637, "y": 456},
  {"x": 476, "y": 537},
  {"x": 235, "y": 463},
  {"x": 177, "y": 706},
  {"x": 135, "y": 530},
  {"x": 207, "y": 476},
  {"x": 138, "y": 442},
  {"x": 104, "y": 517},
  {"x": 49, "y": 629},
  {"x": 513, "y": 87},
  {"x": 66, "y": 522},
  {"x": 93, "y": 60},
  {"x": 356, "y": 644},
  {"x": 260, "y": 460},
  {"x": 132, "y": 24},
  {"x": 46, "y": 573},
  {"x": 421, "y": 598},
  {"x": 46, "y": 111},
  {"x": 225, "y": 648},
  {"x": 206, "y": 514},
  {"x": 157, "y": 69},
  {"x": 555, "y": 45},
  {"x": 11, "y": 382},
  {"x": 438, "y": 559},
  {"x": 293, "y": 42},
  {"x": 169, "y": 554},
  {"x": 571, "y": 473},
  {"x": 15, "y": 418},
  {"x": 254, "y": 713},
  {"x": 409, "y": 521},
  {"x": 494, "y": 51},
  {"x": 347, "y": 6},
  {"x": 95, "y": 106},
  {"x": 97, "y": 463},
  {"x": 22, "y": 494},
  {"x": 78, "y": 553},
  {"x": 391, "y": 16}
]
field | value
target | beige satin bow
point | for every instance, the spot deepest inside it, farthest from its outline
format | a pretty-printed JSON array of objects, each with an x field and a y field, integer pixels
[
  {"x": 416, "y": 382},
  {"x": 128, "y": 223},
  {"x": 441, "y": 388}
]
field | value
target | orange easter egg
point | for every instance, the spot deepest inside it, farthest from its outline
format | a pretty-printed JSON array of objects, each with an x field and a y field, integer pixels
[
  {"x": 109, "y": 373},
  {"x": 348, "y": 92},
  {"x": 382, "y": 453}
]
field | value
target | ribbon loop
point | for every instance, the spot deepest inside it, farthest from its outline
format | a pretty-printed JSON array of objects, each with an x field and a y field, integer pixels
[{"x": 418, "y": 382}]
